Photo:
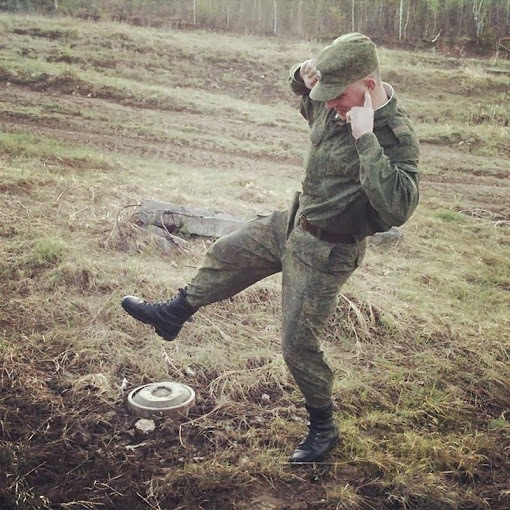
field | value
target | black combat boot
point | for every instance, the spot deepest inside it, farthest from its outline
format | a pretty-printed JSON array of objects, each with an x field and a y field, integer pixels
[
  {"x": 321, "y": 438},
  {"x": 167, "y": 318}
]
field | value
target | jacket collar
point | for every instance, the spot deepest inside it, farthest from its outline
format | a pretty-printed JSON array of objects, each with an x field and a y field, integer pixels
[{"x": 388, "y": 109}]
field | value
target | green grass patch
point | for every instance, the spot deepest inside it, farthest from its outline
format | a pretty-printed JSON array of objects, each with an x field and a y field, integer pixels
[
  {"x": 51, "y": 150},
  {"x": 449, "y": 216},
  {"x": 45, "y": 253}
]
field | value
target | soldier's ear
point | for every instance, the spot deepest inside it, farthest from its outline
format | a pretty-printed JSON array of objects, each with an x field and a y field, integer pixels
[{"x": 369, "y": 83}]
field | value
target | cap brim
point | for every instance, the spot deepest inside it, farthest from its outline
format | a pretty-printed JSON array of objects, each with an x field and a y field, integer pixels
[{"x": 323, "y": 92}]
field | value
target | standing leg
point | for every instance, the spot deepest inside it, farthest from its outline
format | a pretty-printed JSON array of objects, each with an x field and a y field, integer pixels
[{"x": 313, "y": 274}]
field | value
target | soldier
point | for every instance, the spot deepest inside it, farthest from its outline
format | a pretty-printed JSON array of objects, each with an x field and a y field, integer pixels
[{"x": 360, "y": 178}]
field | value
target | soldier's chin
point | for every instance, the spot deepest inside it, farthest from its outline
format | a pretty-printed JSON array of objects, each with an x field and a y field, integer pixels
[{"x": 341, "y": 115}]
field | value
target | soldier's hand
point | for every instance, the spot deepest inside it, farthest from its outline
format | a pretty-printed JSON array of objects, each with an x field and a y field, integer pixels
[
  {"x": 361, "y": 117},
  {"x": 309, "y": 73}
]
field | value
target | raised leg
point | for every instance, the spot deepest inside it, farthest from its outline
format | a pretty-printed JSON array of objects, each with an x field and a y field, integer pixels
[{"x": 240, "y": 259}]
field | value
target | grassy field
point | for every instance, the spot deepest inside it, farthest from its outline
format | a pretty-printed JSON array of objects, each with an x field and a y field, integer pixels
[{"x": 97, "y": 117}]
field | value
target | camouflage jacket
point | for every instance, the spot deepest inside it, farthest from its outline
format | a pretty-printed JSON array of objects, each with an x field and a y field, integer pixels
[{"x": 359, "y": 186}]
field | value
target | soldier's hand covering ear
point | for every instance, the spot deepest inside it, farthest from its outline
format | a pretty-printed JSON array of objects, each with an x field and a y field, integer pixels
[
  {"x": 362, "y": 117},
  {"x": 309, "y": 73}
]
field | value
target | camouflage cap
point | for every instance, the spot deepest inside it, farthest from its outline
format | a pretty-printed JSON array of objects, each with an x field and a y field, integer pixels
[{"x": 348, "y": 59}]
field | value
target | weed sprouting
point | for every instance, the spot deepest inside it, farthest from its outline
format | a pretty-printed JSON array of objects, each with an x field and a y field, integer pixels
[
  {"x": 45, "y": 252},
  {"x": 449, "y": 216}
]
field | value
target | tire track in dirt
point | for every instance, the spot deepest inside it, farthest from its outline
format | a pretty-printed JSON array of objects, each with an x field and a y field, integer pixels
[
  {"x": 230, "y": 124},
  {"x": 177, "y": 151},
  {"x": 466, "y": 178},
  {"x": 455, "y": 173},
  {"x": 191, "y": 150}
]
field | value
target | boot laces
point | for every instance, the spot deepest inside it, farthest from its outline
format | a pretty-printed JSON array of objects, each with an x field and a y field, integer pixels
[{"x": 160, "y": 304}]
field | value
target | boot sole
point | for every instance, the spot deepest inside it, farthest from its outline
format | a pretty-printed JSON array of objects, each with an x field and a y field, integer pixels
[{"x": 168, "y": 338}]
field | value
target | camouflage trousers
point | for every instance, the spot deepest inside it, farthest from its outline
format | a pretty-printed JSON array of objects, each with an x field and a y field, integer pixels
[{"x": 313, "y": 271}]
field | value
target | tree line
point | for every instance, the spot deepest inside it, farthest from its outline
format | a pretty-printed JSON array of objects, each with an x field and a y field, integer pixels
[{"x": 475, "y": 23}]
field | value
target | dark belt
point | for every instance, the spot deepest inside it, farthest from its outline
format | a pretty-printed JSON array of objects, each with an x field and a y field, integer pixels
[{"x": 324, "y": 235}]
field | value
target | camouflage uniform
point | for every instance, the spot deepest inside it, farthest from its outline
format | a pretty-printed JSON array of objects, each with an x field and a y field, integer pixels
[{"x": 355, "y": 187}]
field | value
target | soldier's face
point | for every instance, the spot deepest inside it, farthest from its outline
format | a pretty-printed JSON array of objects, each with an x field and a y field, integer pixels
[{"x": 353, "y": 95}]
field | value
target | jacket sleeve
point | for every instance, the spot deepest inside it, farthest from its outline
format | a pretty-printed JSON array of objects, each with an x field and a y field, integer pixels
[
  {"x": 296, "y": 82},
  {"x": 299, "y": 88},
  {"x": 390, "y": 182}
]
